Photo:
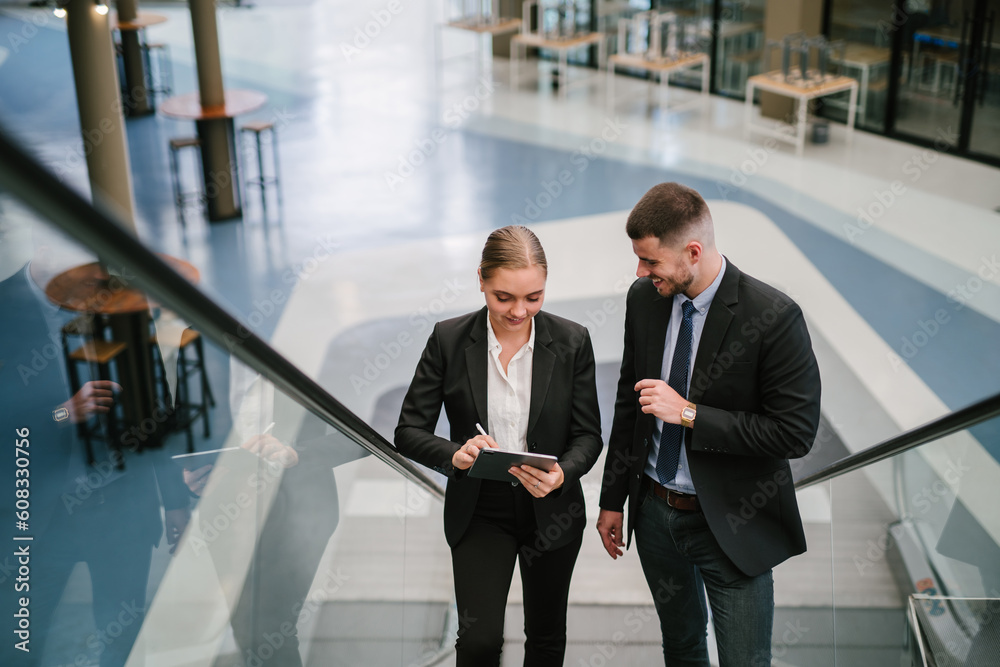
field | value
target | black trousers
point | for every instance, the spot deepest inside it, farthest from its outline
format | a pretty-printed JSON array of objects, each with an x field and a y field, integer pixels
[{"x": 503, "y": 530}]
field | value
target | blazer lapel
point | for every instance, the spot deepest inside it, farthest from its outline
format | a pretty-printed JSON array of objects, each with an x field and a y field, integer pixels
[
  {"x": 475, "y": 360},
  {"x": 658, "y": 321},
  {"x": 720, "y": 316},
  {"x": 542, "y": 362}
]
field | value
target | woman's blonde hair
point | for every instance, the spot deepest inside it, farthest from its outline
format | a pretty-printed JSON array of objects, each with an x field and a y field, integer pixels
[{"x": 512, "y": 247}]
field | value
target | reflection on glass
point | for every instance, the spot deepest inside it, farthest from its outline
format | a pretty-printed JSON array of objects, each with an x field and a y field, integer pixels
[
  {"x": 738, "y": 35},
  {"x": 804, "y": 592},
  {"x": 929, "y": 102},
  {"x": 739, "y": 48},
  {"x": 268, "y": 508},
  {"x": 694, "y": 25},
  {"x": 866, "y": 26},
  {"x": 916, "y": 538},
  {"x": 948, "y": 498},
  {"x": 563, "y": 19},
  {"x": 201, "y": 501},
  {"x": 985, "y": 137},
  {"x": 74, "y": 478}
]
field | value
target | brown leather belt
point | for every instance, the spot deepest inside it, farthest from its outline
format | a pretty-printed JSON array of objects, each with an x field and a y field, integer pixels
[{"x": 677, "y": 500}]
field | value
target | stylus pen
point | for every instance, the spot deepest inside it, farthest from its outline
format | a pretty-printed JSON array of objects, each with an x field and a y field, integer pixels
[{"x": 481, "y": 430}]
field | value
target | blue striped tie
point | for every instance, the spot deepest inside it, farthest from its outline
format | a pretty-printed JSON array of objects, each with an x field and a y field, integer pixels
[{"x": 673, "y": 434}]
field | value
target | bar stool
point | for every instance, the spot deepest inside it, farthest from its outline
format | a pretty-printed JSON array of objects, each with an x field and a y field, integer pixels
[
  {"x": 101, "y": 353},
  {"x": 160, "y": 375},
  {"x": 188, "y": 412},
  {"x": 182, "y": 197},
  {"x": 261, "y": 180},
  {"x": 85, "y": 326}
]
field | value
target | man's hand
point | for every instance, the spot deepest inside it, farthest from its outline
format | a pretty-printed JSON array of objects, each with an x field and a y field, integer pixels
[
  {"x": 467, "y": 453},
  {"x": 610, "y": 526},
  {"x": 271, "y": 449},
  {"x": 175, "y": 523},
  {"x": 538, "y": 482},
  {"x": 94, "y": 396},
  {"x": 658, "y": 398}
]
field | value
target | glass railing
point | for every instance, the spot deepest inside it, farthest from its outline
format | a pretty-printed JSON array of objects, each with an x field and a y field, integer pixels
[
  {"x": 176, "y": 493},
  {"x": 912, "y": 563},
  {"x": 223, "y": 509}
]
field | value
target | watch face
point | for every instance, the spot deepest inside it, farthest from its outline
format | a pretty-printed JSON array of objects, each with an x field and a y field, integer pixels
[
  {"x": 62, "y": 414},
  {"x": 688, "y": 413}
]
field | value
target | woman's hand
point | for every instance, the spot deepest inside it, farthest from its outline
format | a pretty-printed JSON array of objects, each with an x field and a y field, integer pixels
[
  {"x": 538, "y": 482},
  {"x": 197, "y": 479},
  {"x": 467, "y": 453},
  {"x": 271, "y": 449}
]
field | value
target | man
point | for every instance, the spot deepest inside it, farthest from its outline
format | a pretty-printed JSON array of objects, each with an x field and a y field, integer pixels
[{"x": 718, "y": 388}]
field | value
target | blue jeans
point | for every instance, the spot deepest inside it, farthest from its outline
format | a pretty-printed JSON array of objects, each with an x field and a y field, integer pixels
[{"x": 682, "y": 561}]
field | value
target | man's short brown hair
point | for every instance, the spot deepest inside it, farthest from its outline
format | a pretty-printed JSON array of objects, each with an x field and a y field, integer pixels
[{"x": 668, "y": 211}]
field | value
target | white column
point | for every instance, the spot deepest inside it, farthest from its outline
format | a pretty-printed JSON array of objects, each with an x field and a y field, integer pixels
[{"x": 99, "y": 102}]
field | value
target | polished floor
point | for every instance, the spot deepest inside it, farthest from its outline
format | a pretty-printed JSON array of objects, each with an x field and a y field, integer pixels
[{"x": 395, "y": 168}]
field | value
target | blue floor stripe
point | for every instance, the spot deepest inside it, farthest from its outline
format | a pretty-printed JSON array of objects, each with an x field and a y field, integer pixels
[{"x": 503, "y": 181}]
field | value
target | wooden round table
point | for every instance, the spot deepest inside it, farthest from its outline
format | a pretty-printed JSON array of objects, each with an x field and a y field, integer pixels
[
  {"x": 88, "y": 288},
  {"x": 218, "y": 144},
  {"x": 188, "y": 106},
  {"x": 142, "y": 20}
]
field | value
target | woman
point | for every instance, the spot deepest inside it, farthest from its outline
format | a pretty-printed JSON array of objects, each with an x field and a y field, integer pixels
[{"x": 528, "y": 377}]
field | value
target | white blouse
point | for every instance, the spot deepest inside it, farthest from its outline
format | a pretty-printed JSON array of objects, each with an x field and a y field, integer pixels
[{"x": 509, "y": 394}]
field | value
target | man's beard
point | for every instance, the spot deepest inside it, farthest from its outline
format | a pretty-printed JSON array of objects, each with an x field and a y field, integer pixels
[{"x": 676, "y": 287}]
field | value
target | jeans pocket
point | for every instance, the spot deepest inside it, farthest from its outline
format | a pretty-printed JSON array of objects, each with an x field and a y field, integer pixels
[{"x": 644, "y": 497}]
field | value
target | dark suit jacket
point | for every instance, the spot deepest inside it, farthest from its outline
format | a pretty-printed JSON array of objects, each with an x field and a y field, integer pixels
[
  {"x": 563, "y": 418},
  {"x": 756, "y": 386}
]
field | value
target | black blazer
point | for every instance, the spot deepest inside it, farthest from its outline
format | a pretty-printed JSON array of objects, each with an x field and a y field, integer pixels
[
  {"x": 756, "y": 385},
  {"x": 563, "y": 418}
]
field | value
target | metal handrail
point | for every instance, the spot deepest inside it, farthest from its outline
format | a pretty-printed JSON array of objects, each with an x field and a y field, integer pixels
[
  {"x": 952, "y": 422},
  {"x": 101, "y": 231}
]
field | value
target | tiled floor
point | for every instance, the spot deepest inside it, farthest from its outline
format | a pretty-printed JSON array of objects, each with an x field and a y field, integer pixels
[{"x": 393, "y": 174}]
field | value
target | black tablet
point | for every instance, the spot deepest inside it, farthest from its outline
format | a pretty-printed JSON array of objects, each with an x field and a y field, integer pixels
[{"x": 495, "y": 463}]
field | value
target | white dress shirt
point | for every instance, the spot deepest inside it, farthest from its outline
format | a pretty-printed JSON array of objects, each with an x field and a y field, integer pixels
[
  {"x": 509, "y": 393},
  {"x": 682, "y": 482}
]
